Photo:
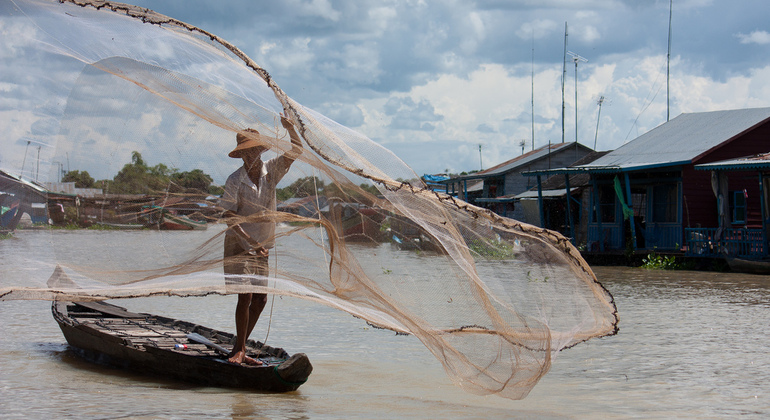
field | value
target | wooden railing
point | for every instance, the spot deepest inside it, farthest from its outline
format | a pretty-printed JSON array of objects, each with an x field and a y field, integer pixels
[{"x": 705, "y": 242}]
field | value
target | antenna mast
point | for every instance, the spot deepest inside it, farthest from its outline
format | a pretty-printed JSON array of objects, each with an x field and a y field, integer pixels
[
  {"x": 563, "y": 78},
  {"x": 576, "y": 58},
  {"x": 533, "y": 89},
  {"x": 668, "y": 57}
]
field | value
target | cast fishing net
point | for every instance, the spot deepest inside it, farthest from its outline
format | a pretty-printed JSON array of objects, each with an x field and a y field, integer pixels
[{"x": 102, "y": 84}]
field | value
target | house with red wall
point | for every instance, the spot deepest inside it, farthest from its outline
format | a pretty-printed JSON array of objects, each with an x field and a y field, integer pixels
[{"x": 743, "y": 218}]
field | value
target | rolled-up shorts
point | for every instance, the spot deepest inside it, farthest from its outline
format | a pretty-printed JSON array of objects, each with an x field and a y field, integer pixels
[{"x": 246, "y": 266}]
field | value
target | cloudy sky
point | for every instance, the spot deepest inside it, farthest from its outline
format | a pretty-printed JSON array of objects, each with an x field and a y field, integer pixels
[{"x": 433, "y": 80}]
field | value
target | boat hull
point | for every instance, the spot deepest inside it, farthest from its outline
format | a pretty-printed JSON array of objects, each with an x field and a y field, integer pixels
[
  {"x": 171, "y": 222},
  {"x": 157, "y": 356},
  {"x": 741, "y": 265}
]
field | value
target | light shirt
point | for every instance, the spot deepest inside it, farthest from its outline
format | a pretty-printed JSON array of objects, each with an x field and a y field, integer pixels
[{"x": 246, "y": 198}]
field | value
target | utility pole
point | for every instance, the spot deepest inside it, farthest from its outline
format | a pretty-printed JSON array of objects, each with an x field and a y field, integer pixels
[
  {"x": 563, "y": 79},
  {"x": 24, "y": 161},
  {"x": 533, "y": 89},
  {"x": 37, "y": 170},
  {"x": 600, "y": 102},
  {"x": 668, "y": 57},
  {"x": 481, "y": 166},
  {"x": 576, "y": 58}
]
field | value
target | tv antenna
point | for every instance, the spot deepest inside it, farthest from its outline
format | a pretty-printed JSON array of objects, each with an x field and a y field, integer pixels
[
  {"x": 576, "y": 59},
  {"x": 522, "y": 144}
]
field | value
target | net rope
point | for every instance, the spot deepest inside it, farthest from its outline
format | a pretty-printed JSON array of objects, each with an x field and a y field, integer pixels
[{"x": 492, "y": 298}]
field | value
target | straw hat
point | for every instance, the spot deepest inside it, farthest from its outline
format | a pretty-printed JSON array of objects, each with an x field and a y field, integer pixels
[{"x": 246, "y": 142}]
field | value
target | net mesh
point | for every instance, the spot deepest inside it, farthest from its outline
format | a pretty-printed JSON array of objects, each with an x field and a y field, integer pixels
[{"x": 99, "y": 82}]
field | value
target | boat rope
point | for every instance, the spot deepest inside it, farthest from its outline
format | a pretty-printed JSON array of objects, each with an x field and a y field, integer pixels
[{"x": 272, "y": 299}]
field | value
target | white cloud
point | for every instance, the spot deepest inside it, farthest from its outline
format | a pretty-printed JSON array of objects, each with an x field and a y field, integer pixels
[
  {"x": 16, "y": 35},
  {"x": 589, "y": 34},
  {"x": 539, "y": 28},
  {"x": 283, "y": 59},
  {"x": 381, "y": 18},
  {"x": 316, "y": 8},
  {"x": 756, "y": 37}
]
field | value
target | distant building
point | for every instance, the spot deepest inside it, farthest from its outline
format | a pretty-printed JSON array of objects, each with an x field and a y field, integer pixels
[
  {"x": 18, "y": 197},
  {"x": 434, "y": 181},
  {"x": 495, "y": 188},
  {"x": 303, "y": 206},
  {"x": 744, "y": 216},
  {"x": 70, "y": 189},
  {"x": 564, "y": 216}
]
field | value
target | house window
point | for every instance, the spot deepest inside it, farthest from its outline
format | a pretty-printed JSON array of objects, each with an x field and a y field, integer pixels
[
  {"x": 738, "y": 206},
  {"x": 639, "y": 204},
  {"x": 606, "y": 204},
  {"x": 664, "y": 201}
]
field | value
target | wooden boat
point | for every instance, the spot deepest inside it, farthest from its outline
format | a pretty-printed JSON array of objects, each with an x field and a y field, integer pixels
[
  {"x": 170, "y": 348},
  {"x": 121, "y": 226},
  {"x": 173, "y": 222},
  {"x": 742, "y": 265},
  {"x": 357, "y": 222}
]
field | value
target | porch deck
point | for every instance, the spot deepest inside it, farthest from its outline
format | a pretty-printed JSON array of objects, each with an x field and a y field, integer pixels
[{"x": 742, "y": 242}]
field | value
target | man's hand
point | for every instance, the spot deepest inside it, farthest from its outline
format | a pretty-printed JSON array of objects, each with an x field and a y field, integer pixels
[
  {"x": 296, "y": 143},
  {"x": 258, "y": 248}
]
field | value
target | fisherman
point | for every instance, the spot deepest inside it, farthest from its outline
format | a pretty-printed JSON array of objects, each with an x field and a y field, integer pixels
[{"x": 248, "y": 191}]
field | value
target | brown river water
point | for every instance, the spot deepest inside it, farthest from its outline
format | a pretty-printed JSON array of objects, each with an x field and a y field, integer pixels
[{"x": 691, "y": 345}]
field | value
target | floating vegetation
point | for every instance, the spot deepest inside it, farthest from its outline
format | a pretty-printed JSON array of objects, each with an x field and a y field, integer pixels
[
  {"x": 497, "y": 249},
  {"x": 655, "y": 261}
]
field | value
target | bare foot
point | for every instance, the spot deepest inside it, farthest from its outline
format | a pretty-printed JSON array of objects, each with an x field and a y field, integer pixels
[
  {"x": 241, "y": 357},
  {"x": 251, "y": 361}
]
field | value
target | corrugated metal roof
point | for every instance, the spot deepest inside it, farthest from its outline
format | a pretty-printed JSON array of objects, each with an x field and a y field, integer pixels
[
  {"x": 526, "y": 159},
  {"x": 741, "y": 164},
  {"x": 546, "y": 193},
  {"x": 17, "y": 180},
  {"x": 681, "y": 140}
]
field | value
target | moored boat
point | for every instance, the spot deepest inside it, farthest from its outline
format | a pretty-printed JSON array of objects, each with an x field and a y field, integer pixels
[
  {"x": 742, "y": 265},
  {"x": 121, "y": 226},
  {"x": 170, "y": 348},
  {"x": 174, "y": 222}
]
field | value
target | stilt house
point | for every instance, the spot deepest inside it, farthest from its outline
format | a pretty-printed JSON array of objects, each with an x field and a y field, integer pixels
[{"x": 647, "y": 192}]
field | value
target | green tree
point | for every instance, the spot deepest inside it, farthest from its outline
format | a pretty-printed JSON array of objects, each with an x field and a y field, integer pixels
[
  {"x": 350, "y": 192},
  {"x": 193, "y": 180},
  {"x": 217, "y": 190},
  {"x": 306, "y": 187},
  {"x": 371, "y": 189},
  {"x": 81, "y": 179},
  {"x": 137, "y": 178}
]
